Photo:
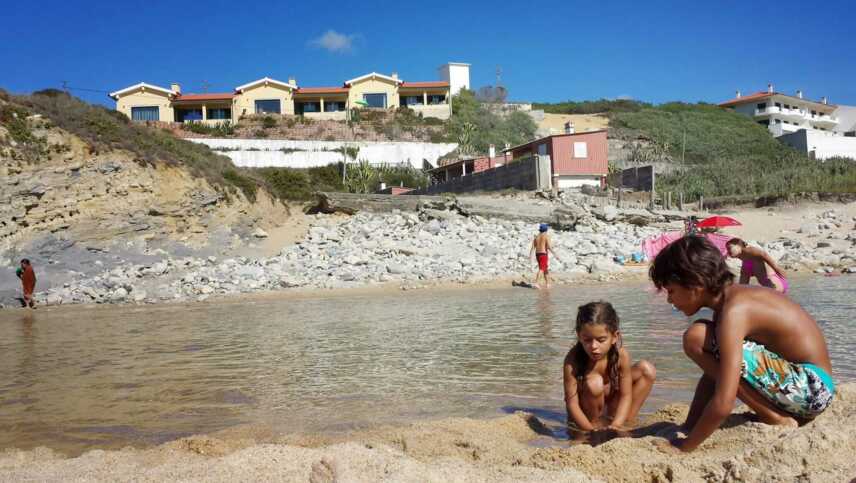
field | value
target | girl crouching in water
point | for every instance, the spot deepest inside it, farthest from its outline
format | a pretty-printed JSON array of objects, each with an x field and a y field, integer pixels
[{"x": 602, "y": 389}]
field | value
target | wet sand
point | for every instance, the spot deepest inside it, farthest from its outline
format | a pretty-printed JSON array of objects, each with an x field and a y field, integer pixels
[{"x": 500, "y": 449}]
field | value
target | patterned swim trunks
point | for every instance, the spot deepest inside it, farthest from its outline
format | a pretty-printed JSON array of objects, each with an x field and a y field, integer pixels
[{"x": 803, "y": 390}]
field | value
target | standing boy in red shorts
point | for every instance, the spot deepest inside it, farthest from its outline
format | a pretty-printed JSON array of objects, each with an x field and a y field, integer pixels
[{"x": 540, "y": 246}]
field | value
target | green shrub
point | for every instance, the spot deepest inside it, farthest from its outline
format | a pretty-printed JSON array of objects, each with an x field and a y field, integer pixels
[
  {"x": 268, "y": 122},
  {"x": 223, "y": 129},
  {"x": 300, "y": 184},
  {"x": 247, "y": 185}
]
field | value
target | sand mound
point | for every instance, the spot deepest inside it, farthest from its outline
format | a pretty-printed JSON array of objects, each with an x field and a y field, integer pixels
[{"x": 471, "y": 450}]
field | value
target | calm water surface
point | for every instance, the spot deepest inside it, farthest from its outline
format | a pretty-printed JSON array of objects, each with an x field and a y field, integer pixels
[{"x": 107, "y": 377}]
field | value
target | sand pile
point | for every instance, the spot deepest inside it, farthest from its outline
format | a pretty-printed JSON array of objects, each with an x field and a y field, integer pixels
[{"x": 471, "y": 450}]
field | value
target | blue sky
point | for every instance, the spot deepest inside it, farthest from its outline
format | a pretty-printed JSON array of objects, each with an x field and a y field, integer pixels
[{"x": 548, "y": 51}]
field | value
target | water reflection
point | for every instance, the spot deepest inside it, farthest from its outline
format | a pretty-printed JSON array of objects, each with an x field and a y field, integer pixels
[{"x": 108, "y": 377}]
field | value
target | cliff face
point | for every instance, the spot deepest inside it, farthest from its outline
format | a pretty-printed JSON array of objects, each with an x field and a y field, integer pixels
[{"x": 72, "y": 206}]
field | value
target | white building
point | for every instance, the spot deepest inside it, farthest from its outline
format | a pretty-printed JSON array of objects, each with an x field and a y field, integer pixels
[
  {"x": 457, "y": 74},
  {"x": 784, "y": 114}
]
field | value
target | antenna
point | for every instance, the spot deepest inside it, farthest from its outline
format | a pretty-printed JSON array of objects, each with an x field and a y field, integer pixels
[
  {"x": 498, "y": 75},
  {"x": 65, "y": 86},
  {"x": 205, "y": 85}
]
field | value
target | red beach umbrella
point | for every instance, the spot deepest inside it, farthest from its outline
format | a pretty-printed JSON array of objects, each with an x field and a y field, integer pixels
[{"x": 718, "y": 221}]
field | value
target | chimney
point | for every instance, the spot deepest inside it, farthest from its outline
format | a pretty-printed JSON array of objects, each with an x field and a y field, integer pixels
[
  {"x": 507, "y": 146},
  {"x": 382, "y": 186},
  {"x": 491, "y": 151},
  {"x": 569, "y": 127},
  {"x": 824, "y": 100},
  {"x": 770, "y": 88},
  {"x": 395, "y": 75},
  {"x": 799, "y": 93},
  {"x": 175, "y": 87},
  {"x": 292, "y": 81},
  {"x": 738, "y": 95}
]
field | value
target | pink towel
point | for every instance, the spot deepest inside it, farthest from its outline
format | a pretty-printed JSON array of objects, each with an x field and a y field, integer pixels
[{"x": 651, "y": 246}]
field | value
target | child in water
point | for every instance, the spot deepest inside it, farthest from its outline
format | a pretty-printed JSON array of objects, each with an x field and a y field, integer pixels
[{"x": 602, "y": 389}]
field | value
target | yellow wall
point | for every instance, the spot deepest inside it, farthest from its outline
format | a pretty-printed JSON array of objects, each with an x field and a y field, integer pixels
[
  {"x": 143, "y": 97},
  {"x": 373, "y": 86},
  {"x": 245, "y": 102}
]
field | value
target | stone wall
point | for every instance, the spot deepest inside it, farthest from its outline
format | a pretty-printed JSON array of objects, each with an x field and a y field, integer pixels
[{"x": 525, "y": 174}]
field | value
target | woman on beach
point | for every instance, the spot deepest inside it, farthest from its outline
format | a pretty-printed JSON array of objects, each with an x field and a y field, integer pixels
[
  {"x": 602, "y": 389},
  {"x": 759, "y": 264}
]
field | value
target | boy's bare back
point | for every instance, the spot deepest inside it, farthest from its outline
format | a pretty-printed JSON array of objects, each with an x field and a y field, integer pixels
[
  {"x": 541, "y": 243},
  {"x": 774, "y": 320}
]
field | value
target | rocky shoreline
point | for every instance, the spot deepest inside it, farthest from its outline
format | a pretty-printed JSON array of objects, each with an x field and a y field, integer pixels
[{"x": 429, "y": 247}]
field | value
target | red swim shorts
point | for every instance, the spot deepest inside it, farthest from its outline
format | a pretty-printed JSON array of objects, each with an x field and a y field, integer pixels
[{"x": 542, "y": 262}]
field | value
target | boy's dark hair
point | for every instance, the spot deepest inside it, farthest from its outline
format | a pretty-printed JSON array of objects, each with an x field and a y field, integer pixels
[
  {"x": 691, "y": 261},
  {"x": 735, "y": 241},
  {"x": 25, "y": 261},
  {"x": 599, "y": 313}
]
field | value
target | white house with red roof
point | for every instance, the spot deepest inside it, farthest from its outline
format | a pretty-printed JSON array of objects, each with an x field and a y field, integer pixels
[
  {"x": 149, "y": 102},
  {"x": 783, "y": 113}
]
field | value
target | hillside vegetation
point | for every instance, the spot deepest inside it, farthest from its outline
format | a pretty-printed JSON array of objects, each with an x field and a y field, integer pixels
[
  {"x": 722, "y": 153},
  {"x": 715, "y": 152},
  {"x": 104, "y": 130}
]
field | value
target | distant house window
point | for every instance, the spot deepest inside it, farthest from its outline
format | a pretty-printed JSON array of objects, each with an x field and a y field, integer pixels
[
  {"x": 412, "y": 100},
  {"x": 375, "y": 100},
  {"x": 184, "y": 115},
  {"x": 149, "y": 113},
  {"x": 268, "y": 106},
  {"x": 437, "y": 99},
  {"x": 311, "y": 107},
  {"x": 219, "y": 113},
  {"x": 761, "y": 105},
  {"x": 778, "y": 121},
  {"x": 813, "y": 113},
  {"x": 334, "y": 106},
  {"x": 580, "y": 150},
  {"x": 542, "y": 149},
  {"x": 779, "y": 105}
]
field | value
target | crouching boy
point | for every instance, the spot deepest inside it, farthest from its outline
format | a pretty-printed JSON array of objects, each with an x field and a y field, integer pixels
[{"x": 760, "y": 347}]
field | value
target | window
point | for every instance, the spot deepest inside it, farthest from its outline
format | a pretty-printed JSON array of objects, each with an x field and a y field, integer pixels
[
  {"x": 437, "y": 99},
  {"x": 412, "y": 100},
  {"x": 268, "y": 106},
  {"x": 149, "y": 113},
  {"x": 192, "y": 114},
  {"x": 219, "y": 113},
  {"x": 542, "y": 149},
  {"x": 779, "y": 105},
  {"x": 375, "y": 100},
  {"x": 580, "y": 150},
  {"x": 310, "y": 107},
  {"x": 778, "y": 121},
  {"x": 761, "y": 106},
  {"x": 334, "y": 106}
]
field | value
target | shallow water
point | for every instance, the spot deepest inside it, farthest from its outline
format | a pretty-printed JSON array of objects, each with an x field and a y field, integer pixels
[{"x": 107, "y": 377}]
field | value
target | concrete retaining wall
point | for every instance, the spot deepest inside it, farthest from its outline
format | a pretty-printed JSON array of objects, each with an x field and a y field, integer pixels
[
  {"x": 262, "y": 153},
  {"x": 525, "y": 174}
]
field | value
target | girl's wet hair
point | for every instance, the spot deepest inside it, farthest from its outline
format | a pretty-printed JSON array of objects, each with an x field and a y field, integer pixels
[
  {"x": 691, "y": 261},
  {"x": 596, "y": 313},
  {"x": 735, "y": 241}
]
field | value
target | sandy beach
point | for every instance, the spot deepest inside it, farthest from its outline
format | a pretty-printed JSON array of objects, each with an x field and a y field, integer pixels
[{"x": 518, "y": 447}]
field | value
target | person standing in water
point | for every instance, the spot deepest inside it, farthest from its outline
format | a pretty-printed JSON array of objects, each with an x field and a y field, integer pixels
[
  {"x": 28, "y": 282},
  {"x": 759, "y": 264},
  {"x": 540, "y": 246}
]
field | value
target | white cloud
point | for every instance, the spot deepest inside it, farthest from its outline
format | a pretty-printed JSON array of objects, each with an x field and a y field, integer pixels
[{"x": 335, "y": 42}]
